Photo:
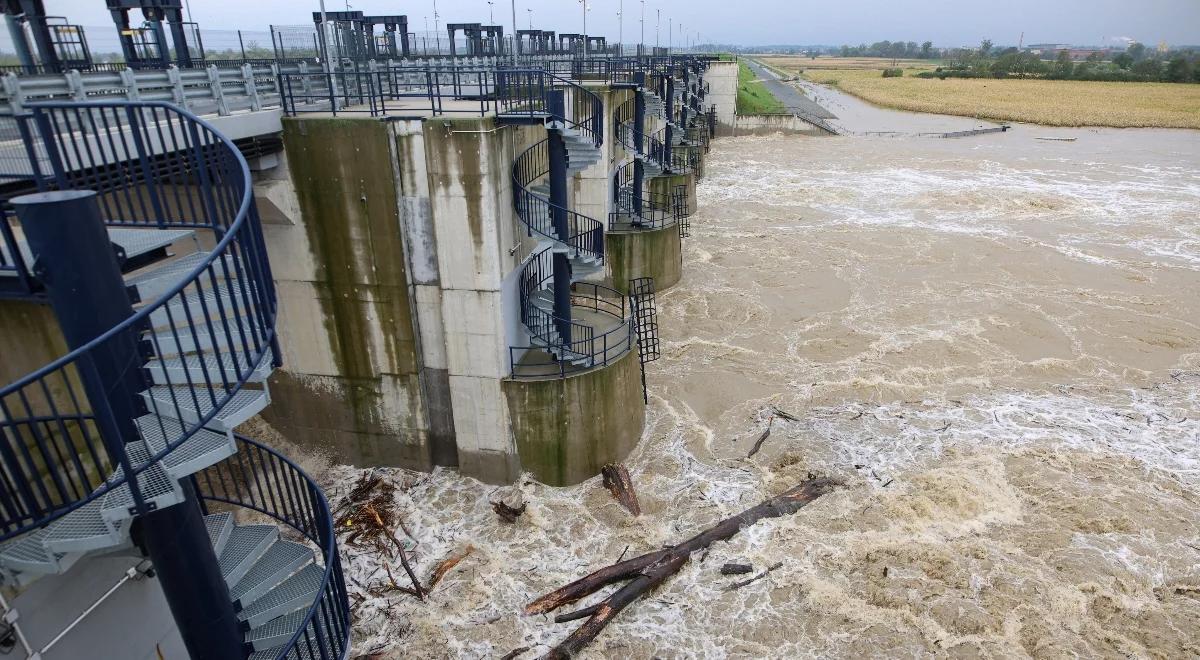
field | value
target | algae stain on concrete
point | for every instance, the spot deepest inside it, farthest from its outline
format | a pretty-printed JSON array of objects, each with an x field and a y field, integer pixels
[
  {"x": 343, "y": 177},
  {"x": 567, "y": 429},
  {"x": 465, "y": 152}
]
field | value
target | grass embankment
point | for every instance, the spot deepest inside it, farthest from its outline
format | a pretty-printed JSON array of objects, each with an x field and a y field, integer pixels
[
  {"x": 753, "y": 97},
  {"x": 1047, "y": 102}
]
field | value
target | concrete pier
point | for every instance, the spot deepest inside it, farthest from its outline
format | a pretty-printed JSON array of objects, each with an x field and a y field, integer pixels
[{"x": 398, "y": 257}]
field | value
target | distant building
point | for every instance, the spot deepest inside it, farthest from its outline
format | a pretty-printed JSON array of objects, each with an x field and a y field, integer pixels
[{"x": 1043, "y": 49}]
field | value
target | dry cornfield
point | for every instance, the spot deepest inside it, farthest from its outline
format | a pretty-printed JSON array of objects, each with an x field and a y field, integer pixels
[{"x": 1047, "y": 102}]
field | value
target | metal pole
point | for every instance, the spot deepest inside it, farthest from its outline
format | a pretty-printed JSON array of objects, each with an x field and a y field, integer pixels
[
  {"x": 242, "y": 44},
  {"x": 16, "y": 32},
  {"x": 557, "y": 156},
  {"x": 437, "y": 31},
  {"x": 639, "y": 118},
  {"x": 76, "y": 262},
  {"x": 657, "y": 25},
  {"x": 516, "y": 37},
  {"x": 642, "y": 21},
  {"x": 620, "y": 26}
]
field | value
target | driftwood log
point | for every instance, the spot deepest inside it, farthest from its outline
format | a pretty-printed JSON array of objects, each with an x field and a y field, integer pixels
[
  {"x": 618, "y": 482},
  {"x": 646, "y": 572}
]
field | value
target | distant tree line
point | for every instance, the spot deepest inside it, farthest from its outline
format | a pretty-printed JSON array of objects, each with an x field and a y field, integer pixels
[
  {"x": 1136, "y": 64},
  {"x": 893, "y": 49}
]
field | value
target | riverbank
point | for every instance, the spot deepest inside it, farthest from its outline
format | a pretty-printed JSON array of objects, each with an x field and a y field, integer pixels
[
  {"x": 753, "y": 97},
  {"x": 1044, "y": 102}
]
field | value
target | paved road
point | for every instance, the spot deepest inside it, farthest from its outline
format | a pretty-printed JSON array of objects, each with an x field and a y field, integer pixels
[
  {"x": 788, "y": 95},
  {"x": 857, "y": 117}
]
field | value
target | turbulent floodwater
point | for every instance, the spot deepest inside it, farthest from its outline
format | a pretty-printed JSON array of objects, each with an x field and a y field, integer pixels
[{"x": 993, "y": 341}]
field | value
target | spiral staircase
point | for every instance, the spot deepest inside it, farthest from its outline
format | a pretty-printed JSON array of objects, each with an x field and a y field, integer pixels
[
  {"x": 79, "y": 472},
  {"x": 604, "y": 332}
]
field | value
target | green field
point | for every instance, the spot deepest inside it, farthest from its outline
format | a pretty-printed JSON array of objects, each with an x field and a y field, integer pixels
[{"x": 753, "y": 97}]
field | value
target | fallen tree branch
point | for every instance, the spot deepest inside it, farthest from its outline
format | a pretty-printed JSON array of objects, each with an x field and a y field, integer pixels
[
  {"x": 618, "y": 482},
  {"x": 762, "y": 438},
  {"x": 739, "y": 585},
  {"x": 447, "y": 564},
  {"x": 643, "y": 573}
]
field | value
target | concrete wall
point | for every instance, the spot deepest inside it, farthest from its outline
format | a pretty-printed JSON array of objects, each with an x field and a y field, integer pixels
[
  {"x": 29, "y": 338},
  {"x": 567, "y": 429},
  {"x": 722, "y": 78},
  {"x": 654, "y": 253},
  {"x": 589, "y": 189},
  {"x": 351, "y": 380},
  {"x": 470, "y": 163},
  {"x": 772, "y": 124}
]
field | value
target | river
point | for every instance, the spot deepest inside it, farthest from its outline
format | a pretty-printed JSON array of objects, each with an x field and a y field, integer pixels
[{"x": 992, "y": 341}]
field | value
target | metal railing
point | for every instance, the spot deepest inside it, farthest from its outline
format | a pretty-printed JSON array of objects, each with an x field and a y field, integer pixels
[
  {"x": 585, "y": 236},
  {"x": 587, "y": 348},
  {"x": 441, "y": 90},
  {"x": 658, "y": 210},
  {"x": 57, "y": 448},
  {"x": 260, "y": 479}
]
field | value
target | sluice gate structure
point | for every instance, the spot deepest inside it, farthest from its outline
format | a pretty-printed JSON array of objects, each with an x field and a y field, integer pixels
[{"x": 402, "y": 260}]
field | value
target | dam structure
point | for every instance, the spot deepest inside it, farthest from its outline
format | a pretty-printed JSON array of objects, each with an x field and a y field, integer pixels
[{"x": 393, "y": 255}]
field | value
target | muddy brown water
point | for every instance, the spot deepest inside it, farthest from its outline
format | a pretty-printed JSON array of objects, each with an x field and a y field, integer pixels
[{"x": 992, "y": 340}]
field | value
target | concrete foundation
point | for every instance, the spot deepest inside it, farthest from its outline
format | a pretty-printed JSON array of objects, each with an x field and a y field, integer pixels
[
  {"x": 774, "y": 124},
  {"x": 567, "y": 429},
  {"x": 664, "y": 185},
  {"x": 656, "y": 253}
]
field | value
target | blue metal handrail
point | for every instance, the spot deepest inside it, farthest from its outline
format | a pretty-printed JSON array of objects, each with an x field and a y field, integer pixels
[
  {"x": 116, "y": 159},
  {"x": 261, "y": 479},
  {"x": 585, "y": 234},
  {"x": 508, "y": 92}
]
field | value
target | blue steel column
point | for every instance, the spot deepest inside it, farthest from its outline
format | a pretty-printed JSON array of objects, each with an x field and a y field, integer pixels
[
  {"x": 557, "y": 148},
  {"x": 74, "y": 260},
  {"x": 639, "y": 122},
  {"x": 670, "y": 103}
]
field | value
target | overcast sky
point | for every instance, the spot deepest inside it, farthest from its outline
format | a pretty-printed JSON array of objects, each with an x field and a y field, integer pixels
[{"x": 749, "y": 22}]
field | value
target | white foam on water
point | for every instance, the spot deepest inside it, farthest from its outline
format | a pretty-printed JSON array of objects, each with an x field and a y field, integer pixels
[{"x": 971, "y": 336}]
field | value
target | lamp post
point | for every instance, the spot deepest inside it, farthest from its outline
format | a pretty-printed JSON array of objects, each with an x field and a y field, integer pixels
[
  {"x": 585, "y": 39},
  {"x": 515, "y": 38},
  {"x": 620, "y": 26},
  {"x": 530, "y": 12},
  {"x": 657, "y": 25},
  {"x": 642, "y": 22},
  {"x": 437, "y": 35},
  {"x": 491, "y": 16}
]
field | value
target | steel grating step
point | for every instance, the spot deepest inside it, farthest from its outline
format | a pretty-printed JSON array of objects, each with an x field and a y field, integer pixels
[
  {"x": 220, "y": 527},
  {"x": 198, "y": 369},
  {"x": 137, "y": 242},
  {"x": 203, "y": 449},
  {"x": 230, "y": 302},
  {"x": 85, "y": 529},
  {"x": 155, "y": 485},
  {"x": 280, "y": 560},
  {"x": 246, "y": 544},
  {"x": 172, "y": 343},
  {"x": 279, "y": 630},
  {"x": 29, "y": 554},
  {"x": 152, "y": 283},
  {"x": 193, "y": 404},
  {"x": 298, "y": 591}
]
